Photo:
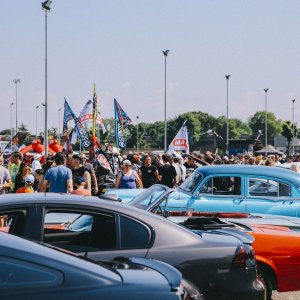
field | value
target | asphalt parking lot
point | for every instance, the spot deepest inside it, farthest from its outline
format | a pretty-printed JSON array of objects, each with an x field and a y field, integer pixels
[{"x": 286, "y": 296}]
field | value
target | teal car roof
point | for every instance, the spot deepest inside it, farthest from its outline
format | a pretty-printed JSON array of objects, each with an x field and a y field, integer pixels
[{"x": 281, "y": 173}]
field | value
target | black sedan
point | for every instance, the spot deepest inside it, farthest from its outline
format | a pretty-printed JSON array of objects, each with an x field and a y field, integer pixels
[
  {"x": 221, "y": 266},
  {"x": 33, "y": 271}
]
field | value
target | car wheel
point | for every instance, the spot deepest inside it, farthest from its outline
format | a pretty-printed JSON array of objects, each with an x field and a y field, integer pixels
[{"x": 265, "y": 280}]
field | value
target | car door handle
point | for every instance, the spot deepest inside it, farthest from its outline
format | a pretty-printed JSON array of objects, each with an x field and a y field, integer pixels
[
  {"x": 288, "y": 201},
  {"x": 237, "y": 201}
]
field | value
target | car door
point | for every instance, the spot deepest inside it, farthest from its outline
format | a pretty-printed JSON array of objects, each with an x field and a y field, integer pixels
[
  {"x": 270, "y": 195},
  {"x": 99, "y": 235},
  {"x": 219, "y": 193}
]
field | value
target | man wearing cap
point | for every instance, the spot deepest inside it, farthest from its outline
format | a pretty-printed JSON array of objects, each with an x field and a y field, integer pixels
[
  {"x": 29, "y": 181},
  {"x": 36, "y": 165},
  {"x": 59, "y": 177},
  {"x": 80, "y": 184}
]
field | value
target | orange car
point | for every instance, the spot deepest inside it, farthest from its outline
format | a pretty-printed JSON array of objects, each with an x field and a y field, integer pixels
[{"x": 277, "y": 247}]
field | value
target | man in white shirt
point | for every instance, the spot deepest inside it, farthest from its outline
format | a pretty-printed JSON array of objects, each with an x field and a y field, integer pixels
[{"x": 36, "y": 165}]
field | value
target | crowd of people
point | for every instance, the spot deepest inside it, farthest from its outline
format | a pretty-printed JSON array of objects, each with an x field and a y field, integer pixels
[{"x": 75, "y": 174}]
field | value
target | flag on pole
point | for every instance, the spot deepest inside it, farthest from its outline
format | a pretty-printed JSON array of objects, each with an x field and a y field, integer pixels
[
  {"x": 180, "y": 141},
  {"x": 121, "y": 123},
  {"x": 86, "y": 116},
  {"x": 95, "y": 145},
  {"x": 67, "y": 118},
  {"x": 79, "y": 128}
]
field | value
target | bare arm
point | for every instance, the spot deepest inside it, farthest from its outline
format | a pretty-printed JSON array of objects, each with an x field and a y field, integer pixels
[
  {"x": 139, "y": 183},
  {"x": 87, "y": 178},
  {"x": 70, "y": 185},
  {"x": 117, "y": 184}
]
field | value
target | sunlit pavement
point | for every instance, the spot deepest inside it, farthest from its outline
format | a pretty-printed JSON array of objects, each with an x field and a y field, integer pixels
[{"x": 286, "y": 296}]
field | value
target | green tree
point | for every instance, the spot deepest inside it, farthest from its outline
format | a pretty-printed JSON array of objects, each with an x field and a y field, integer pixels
[
  {"x": 5, "y": 132},
  {"x": 287, "y": 131},
  {"x": 23, "y": 127},
  {"x": 257, "y": 122}
]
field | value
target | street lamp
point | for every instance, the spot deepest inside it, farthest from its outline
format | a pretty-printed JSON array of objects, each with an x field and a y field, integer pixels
[
  {"x": 36, "y": 122},
  {"x": 165, "y": 53},
  {"x": 227, "y": 121},
  {"x": 266, "y": 121},
  {"x": 16, "y": 81},
  {"x": 293, "y": 126},
  {"x": 59, "y": 110},
  {"x": 137, "y": 133},
  {"x": 11, "y": 129},
  {"x": 46, "y": 8}
]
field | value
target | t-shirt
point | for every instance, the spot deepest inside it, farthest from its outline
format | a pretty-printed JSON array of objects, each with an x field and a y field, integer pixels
[
  {"x": 25, "y": 190},
  {"x": 36, "y": 165},
  {"x": 148, "y": 175},
  {"x": 58, "y": 177},
  {"x": 168, "y": 173},
  {"x": 4, "y": 176},
  {"x": 83, "y": 192},
  {"x": 13, "y": 170}
]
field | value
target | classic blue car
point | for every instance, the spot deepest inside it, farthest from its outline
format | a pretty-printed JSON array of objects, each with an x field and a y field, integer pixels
[{"x": 233, "y": 188}]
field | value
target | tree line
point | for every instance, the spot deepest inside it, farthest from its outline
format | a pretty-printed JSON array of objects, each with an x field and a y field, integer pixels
[{"x": 151, "y": 135}]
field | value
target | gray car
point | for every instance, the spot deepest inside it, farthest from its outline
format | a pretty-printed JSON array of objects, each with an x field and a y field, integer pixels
[
  {"x": 32, "y": 271},
  {"x": 220, "y": 266}
]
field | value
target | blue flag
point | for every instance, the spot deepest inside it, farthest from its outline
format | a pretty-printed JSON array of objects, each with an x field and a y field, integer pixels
[{"x": 121, "y": 122}]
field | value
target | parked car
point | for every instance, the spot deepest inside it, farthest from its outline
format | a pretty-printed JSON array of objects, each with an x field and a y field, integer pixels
[
  {"x": 104, "y": 230},
  {"x": 235, "y": 188},
  {"x": 276, "y": 244},
  {"x": 33, "y": 271}
]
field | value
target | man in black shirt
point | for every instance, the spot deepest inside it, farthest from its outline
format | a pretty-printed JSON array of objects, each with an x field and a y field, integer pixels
[
  {"x": 148, "y": 173},
  {"x": 167, "y": 172}
]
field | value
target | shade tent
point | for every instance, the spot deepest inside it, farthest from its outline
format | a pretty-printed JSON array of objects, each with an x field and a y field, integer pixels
[{"x": 270, "y": 150}]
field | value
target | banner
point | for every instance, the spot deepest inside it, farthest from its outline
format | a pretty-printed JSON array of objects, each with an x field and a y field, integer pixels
[
  {"x": 180, "y": 141},
  {"x": 86, "y": 116},
  {"x": 121, "y": 122},
  {"x": 80, "y": 130}
]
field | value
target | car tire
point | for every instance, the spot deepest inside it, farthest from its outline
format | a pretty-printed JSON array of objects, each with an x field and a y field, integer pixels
[{"x": 265, "y": 280}]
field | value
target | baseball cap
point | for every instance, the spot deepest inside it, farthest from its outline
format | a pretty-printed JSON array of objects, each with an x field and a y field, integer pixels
[
  {"x": 79, "y": 179},
  {"x": 29, "y": 178},
  {"x": 76, "y": 156}
]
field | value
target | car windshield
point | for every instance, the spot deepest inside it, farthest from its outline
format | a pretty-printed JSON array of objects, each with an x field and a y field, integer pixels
[
  {"x": 144, "y": 199},
  {"x": 191, "y": 182}
]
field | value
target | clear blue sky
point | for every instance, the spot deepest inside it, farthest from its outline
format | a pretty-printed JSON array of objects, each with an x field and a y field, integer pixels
[{"x": 117, "y": 44}]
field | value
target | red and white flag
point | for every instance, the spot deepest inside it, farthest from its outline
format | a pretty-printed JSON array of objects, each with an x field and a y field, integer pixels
[{"x": 180, "y": 141}]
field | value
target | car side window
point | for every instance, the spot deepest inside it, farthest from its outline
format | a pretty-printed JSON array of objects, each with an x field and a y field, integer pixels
[
  {"x": 134, "y": 235},
  {"x": 20, "y": 274},
  {"x": 268, "y": 187},
  {"x": 80, "y": 232},
  {"x": 222, "y": 185},
  {"x": 13, "y": 222}
]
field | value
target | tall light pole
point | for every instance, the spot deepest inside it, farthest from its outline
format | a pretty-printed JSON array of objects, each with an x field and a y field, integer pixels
[
  {"x": 266, "y": 121},
  {"x": 11, "y": 126},
  {"x": 137, "y": 133},
  {"x": 227, "y": 119},
  {"x": 165, "y": 53},
  {"x": 16, "y": 81},
  {"x": 293, "y": 126},
  {"x": 36, "y": 121},
  {"x": 46, "y": 8},
  {"x": 59, "y": 110}
]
